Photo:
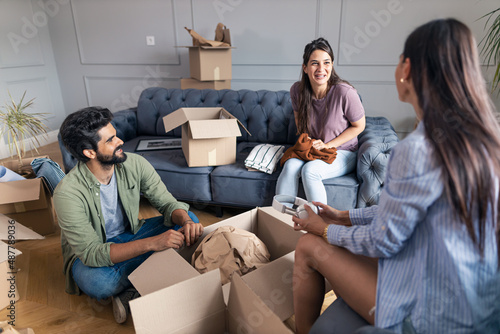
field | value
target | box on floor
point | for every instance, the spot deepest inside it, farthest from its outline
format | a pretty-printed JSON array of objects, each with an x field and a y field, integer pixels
[
  {"x": 28, "y": 201},
  {"x": 181, "y": 300},
  {"x": 208, "y": 135}
]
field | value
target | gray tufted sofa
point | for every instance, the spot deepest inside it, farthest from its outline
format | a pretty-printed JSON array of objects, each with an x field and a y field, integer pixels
[{"x": 268, "y": 115}]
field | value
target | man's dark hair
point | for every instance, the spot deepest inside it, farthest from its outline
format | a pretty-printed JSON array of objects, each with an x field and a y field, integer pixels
[{"x": 79, "y": 131}]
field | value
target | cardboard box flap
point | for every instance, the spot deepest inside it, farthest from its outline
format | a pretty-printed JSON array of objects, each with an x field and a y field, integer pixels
[
  {"x": 4, "y": 249},
  {"x": 273, "y": 284},
  {"x": 20, "y": 191},
  {"x": 183, "y": 115},
  {"x": 173, "y": 120},
  {"x": 196, "y": 302},
  {"x": 279, "y": 238},
  {"x": 247, "y": 313},
  {"x": 214, "y": 128},
  {"x": 10, "y": 228},
  {"x": 150, "y": 277},
  {"x": 225, "y": 114}
]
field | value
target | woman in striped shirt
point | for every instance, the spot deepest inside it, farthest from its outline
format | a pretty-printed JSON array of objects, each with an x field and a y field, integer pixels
[{"x": 426, "y": 259}]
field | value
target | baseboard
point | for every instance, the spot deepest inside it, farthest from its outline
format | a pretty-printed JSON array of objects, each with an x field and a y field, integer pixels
[{"x": 50, "y": 138}]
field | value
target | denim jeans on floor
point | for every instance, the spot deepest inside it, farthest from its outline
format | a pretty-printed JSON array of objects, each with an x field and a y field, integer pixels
[
  {"x": 313, "y": 173},
  {"x": 104, "y": 282}
]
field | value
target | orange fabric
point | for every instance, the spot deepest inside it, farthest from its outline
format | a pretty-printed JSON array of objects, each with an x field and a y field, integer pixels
[{"x": 303, "y": 150}]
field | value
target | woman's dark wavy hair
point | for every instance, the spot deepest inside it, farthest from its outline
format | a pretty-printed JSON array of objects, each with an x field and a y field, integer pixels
[
  {"x": 305, "y": 88},
  {"x": 79, "y": 131},
  {"x": 459, "y": 119}
]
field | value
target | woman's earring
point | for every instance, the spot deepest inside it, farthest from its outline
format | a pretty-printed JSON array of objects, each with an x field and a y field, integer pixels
[{"x": 401, "y": 80}]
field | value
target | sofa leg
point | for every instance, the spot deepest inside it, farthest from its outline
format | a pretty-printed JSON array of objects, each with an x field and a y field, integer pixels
[{"x": 219, "y": 212}]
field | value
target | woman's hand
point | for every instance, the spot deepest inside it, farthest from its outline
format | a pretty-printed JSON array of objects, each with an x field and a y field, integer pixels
[
  {"x": 313, "y": 223},
  {"x": 318, "y": 144},
  {"x": 333, "y": 216}
]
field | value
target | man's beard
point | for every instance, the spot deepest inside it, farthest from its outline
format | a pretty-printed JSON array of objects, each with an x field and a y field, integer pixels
[{"x": 108, "y": 161}]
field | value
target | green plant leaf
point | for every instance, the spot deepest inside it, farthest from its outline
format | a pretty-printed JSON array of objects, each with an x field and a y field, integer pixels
[
  {"x": 490, "y": 45},
  {"x": 20, "y": 126}
]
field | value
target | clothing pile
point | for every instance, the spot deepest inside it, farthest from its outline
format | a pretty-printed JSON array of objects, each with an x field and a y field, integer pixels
[
  {"x": 304, "y": 150},
  {"x": 264, "y": 158},
  {"x": 232, "y": 250}
]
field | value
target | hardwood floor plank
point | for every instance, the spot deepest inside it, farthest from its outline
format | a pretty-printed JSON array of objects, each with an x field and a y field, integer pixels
[
  {"x": 38, "y": 278},
  {"x": 46, "y": 319}
]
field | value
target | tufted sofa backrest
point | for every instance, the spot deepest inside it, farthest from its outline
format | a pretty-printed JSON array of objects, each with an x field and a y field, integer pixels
[{"x": 267, "y": 115}]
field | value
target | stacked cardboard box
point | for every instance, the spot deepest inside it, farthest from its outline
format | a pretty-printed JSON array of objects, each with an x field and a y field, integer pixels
[
  {"x": 210, "y": 61},
  {"x": 177, "y": 299}
]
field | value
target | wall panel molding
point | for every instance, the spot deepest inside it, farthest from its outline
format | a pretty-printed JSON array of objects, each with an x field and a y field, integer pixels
[
  {"x": 20, "y": 44},
  {"x": 37, "y": 88},
  {"x": 103, "y": 39},
  {"x": 122, "y": 92}
]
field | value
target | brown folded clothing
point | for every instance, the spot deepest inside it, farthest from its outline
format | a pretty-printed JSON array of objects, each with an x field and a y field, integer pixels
[{"x": 304, "y": 150}]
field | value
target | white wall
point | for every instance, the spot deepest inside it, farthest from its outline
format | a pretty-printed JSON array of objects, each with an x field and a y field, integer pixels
[
  {"x": 94, "y": 52},
  {"x": 27, "y": 63}
]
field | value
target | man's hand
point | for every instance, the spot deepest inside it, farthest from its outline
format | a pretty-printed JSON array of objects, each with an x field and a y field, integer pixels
[
  {"x": 192, "y": 232},
  {"x": 169, "y": 239},
  {"x": 333, "y": 216}
]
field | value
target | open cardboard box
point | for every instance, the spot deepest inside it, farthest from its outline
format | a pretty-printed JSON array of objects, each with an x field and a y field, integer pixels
[
  {"x": 177, "y": 299},
  {"x": 208, "y": 135},
  {"x": 211, "y": 60},
  {"x": 28, "y": 201}
]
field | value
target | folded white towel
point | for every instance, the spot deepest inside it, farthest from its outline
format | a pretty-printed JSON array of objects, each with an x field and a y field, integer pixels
[{"x": 265, "y": 157}]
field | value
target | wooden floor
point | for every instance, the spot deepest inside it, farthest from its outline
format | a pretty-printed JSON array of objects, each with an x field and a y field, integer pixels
[{"x": 43, "y": 304}]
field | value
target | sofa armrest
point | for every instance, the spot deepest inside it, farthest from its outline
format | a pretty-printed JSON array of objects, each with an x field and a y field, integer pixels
[
  {"x": 125, "y": 123},
  {"x": 375, "y": 146}
]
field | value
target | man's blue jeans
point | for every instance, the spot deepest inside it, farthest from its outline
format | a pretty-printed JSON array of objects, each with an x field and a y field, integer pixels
[{"x": 104, "y": 282}]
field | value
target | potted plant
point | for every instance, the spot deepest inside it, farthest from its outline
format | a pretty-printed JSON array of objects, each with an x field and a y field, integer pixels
[
  {"x": 491, "y": 46},
  {"x": 20, "y": 127}
]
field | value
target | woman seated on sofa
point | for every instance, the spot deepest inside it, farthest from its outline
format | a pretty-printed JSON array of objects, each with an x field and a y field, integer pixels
[
  {"x": 425, "y": 260},
  {"x": 329, "y": 110}
]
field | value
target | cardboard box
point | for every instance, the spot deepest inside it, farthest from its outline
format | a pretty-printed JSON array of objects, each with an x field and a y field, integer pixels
[
  {"x": 187, "y": 83},
  {"x": 30, "y": 203},
  {"x": 184, "y": 301},
  {"x": 208, "y": 135},
  {"x": 210, "y": 63}
]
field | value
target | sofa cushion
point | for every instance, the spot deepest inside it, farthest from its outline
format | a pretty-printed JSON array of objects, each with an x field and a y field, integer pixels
[{"x": 229, "y": 182}]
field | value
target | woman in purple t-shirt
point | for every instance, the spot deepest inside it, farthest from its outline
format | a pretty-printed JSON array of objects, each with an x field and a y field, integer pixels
[{"x": 329, "y": 110}]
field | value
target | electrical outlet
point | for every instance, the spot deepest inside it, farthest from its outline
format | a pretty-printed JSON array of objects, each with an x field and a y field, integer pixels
[{"x": 150, "y": 40}]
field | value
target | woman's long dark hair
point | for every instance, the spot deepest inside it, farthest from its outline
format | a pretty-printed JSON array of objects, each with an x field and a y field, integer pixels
[
  {"x": 459, "y": 119},
  {"x": 305, "y": 88}
]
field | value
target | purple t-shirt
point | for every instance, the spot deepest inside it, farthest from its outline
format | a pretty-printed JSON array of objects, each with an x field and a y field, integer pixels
[{"x": 343, "y": 105}]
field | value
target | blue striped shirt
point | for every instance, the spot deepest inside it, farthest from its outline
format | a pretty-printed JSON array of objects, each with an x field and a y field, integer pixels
[{"x": 428, "y": 269}]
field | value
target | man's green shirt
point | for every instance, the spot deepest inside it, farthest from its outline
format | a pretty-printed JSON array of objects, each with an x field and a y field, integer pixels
[{"x": 78, "y": 207}]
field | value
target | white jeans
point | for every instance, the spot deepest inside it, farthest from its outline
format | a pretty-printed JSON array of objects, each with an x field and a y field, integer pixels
[{"x": 313, "y": 173}]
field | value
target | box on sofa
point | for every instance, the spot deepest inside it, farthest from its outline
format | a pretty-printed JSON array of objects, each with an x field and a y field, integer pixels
[
  {"x": 208, "y": 135},
  {"x": 260, "y": 299}
]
